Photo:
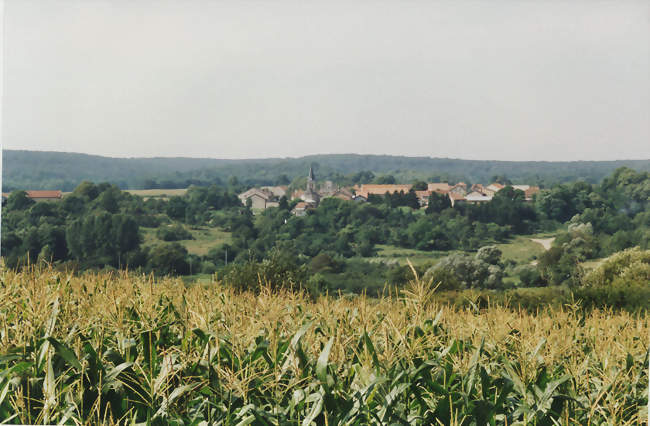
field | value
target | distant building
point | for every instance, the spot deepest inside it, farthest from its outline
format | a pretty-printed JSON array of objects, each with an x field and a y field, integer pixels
[
  {"x": 342, "y": 194},
  {"x": 376, "y": 189},
  {"x": 439, "y": 187},
  {"x": 423, "y": 197},
  {"x": 456, "y": 198},
  {"x": 459, "y": 188},
  {"x": 476, "y": 197},
  {"x": 259, "y": 198},
  {"x": 310, "y": 195},
  {"x": 301, "y": 209},
  {"x": 529, "y": 191},
  {"x": 277, "y": 191},
  {"x": 493, "y": 188},
  {"x": 45, "y": 195}
]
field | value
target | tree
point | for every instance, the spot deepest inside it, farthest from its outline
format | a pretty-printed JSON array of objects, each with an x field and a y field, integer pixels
[
  {"x": 18, "y": 200},
  {"x": 460, "y": 271},
  {"x": 169, "y": 258},
  {"x": 385, "y": 180},
  {"x": 489, "y": 254},
  {"x": 420, "y": 185},
  {"x": 87, "y": 189},
  {"x": 176, "y": 208},
  {"x": 437, "y": 203}
]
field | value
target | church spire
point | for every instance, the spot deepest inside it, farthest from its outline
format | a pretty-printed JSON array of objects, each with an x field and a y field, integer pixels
[{"x": 311, "y": 174}]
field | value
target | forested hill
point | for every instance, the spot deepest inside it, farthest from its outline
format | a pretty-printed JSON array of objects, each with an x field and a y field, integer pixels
[{"x": 58, "y": 170}]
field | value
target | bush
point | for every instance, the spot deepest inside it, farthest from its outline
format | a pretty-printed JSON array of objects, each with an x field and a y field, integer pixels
[
  {"x": 169, "y": 258},
  {"x": 529, "y": 276},
  {"x": 174, "y": 233},
  {"x": 622, "y": 282},
  {"x": 460, "y": 271},
  {"x": 279, "y": 270}
]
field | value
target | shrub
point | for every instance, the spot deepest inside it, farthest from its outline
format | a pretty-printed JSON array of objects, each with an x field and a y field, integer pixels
[
  {"x": 622, "y": 282},
  {"x": 173, "y": 233},
  {"x": 460, "y": 271}
]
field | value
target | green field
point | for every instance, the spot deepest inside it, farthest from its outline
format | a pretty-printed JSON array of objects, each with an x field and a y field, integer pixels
[
  {"x": 521, "y": 249},
  {"x": 389, "y": 254},
  {"x": 157, "y": 193},
  {"x": 205, "y": 238}
]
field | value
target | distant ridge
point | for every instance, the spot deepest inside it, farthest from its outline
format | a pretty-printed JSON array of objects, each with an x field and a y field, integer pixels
[{"x": 62, "y": 170}]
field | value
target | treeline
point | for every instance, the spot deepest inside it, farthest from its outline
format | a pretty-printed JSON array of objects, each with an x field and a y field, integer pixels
[
  {"x": 65, "y": 171},
  {"x": 98, "y": 226}
]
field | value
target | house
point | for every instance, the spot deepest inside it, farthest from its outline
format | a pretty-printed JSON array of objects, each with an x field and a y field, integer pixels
[
  {"x": 377, "y": 189},
  {"x": 259, "y": 198},
  {"x": 342, "y": 194},
  {"x": 277, "y": 191},
  {"x": 423, "y": 197},
  {"x": 39, "y": 196},
  {"x": 301, "y": 209},
  {"x": 441, "y": 188},
  {"x": 493, "y": 188},
  {"x": 532, "y": 190},
  {"x": 476, "y": 197},
  {"x": 477, "y": 187},
  {"x": 455, "y": 198},
  {"x": 459, "y": 188}
]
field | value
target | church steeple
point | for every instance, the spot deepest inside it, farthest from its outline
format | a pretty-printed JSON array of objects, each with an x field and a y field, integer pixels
[
  {"x": 311, "y": 184},
  {"x": 310, "y": 195}
]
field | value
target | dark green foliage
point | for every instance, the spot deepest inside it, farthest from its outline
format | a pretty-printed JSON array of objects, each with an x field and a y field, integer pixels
[
  {"x": 19, "y": 200},
  {"x": 460, "y": 271},
  {"x": 437, "y": 203},
  {"x": 173, "y": 233},
  {"x": 279, "y": 269},
  {"x": 621, "y": 282},
  {"x": 65, "y": 171},
  {"x": 530, "y": 276},
  {"x": 169, "y": 259}
]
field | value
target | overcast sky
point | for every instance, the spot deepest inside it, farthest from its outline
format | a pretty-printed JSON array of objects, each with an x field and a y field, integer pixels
[{"x": 513, "y": 80}]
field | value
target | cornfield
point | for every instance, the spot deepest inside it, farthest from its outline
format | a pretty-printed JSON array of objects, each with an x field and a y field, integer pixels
[{"x": 121, "y": 348}]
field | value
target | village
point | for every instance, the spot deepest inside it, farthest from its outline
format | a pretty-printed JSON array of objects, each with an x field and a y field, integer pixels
[{"x": 269, "y": 196}]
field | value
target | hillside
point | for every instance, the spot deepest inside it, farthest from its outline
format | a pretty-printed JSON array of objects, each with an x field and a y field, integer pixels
[{"x": 59, "y": 170}]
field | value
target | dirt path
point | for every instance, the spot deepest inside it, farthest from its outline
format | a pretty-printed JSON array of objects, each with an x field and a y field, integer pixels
[{"x": 545, "y": 242}]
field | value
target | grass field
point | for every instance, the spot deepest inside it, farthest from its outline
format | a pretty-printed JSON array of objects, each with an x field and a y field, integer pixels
[
  {"x": 521, "y": 249},
  {"x": 388, "y": 253},
  {"x": 205, "y": 238},
  {"x": 123, "y": 349},
  {"x": 157, "y": 193}
]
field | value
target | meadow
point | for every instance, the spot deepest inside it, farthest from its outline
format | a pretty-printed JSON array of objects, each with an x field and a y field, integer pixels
[{"x": 118, "y": 348}]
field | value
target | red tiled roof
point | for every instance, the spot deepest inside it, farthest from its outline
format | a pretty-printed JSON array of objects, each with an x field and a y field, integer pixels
[
  {"x": 382, "y": 189},
  {"x": 531, "y": 191},
  {"x": 439, "y": 187},
  {"x": 456, "y": 196},
  {"x": 44, "y": 194}
]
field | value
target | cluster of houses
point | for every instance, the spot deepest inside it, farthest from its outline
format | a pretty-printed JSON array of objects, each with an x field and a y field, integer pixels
[
  {"x": 458, "y": 193},
  {"x": 269, "y": 196}
]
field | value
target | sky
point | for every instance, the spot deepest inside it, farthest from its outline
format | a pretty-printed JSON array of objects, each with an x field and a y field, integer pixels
[{"x": 508, "y": 80}]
